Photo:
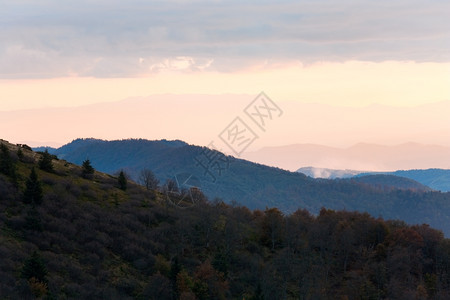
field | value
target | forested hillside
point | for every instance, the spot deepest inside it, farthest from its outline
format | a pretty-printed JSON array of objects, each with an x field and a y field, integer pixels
[
  {"x": 69, "y": 233},
  {"x": 437, "y": 179},
  {"x": 384, "y": 181},
  {"x": 257, "y": 186}
]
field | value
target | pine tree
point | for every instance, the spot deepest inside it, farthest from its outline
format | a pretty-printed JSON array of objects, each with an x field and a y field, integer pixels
[
  {"x": 45, "y": 163},
  {"x": 6, "y": 163},
  {"x": 20, "y": 154},
  {"x": 33, "y": 192},
  {"x": 34, "y": 267},
  {"x": 33, "y": 220},
  {"x": 87, "y": 169},
  {"x": 122, "y": 181}
]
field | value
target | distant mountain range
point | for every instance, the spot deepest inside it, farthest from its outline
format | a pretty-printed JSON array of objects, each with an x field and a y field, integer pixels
[
  {"x": 257, "y": 186},
  {"x": 200, "y": 118},
  {"x": 361, "y": 156},
  {"x": 436, "y": 179}
]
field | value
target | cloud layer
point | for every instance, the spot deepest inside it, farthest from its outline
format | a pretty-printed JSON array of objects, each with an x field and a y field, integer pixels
[{"x": 44, "y": 39}]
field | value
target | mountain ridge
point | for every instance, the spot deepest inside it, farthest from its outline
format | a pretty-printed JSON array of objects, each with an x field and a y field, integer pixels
[
  {"x": 257, "y": 186},
  {"x": 437, "y": 179}
]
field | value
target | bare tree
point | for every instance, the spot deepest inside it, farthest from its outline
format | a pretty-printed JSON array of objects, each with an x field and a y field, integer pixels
[
  {"x": 148, "y": 179},
  {"x": 171, "y": 186}
]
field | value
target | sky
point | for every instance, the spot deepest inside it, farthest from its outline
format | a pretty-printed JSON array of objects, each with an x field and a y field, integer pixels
[{"x": 337, "y": 53}]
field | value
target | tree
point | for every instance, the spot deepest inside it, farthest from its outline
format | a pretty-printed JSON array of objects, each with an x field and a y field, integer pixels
[
  {"x": 122, "y": 181},
  {"x": 35, "y": 272},
  {"x": 197, "y": 195},
  {"x": 258, "y": 295},
  {"x": 33, "y": 192},
  {"x": 45, "y": 163},
  {"x": 148, "y": 179},
  {"x": 171, "y": 186},
  {"x": 5, "y": 160},
  {"x": 7, "y": 165},
  {"x": 34, "y": 267},
  {"x": 272, "y": 228},
  {"x": 158, "y": 287},
  {"x": 33, "y": 220},
  {"x": 87, "y": 169},
  {"x": 20, "y": 153},
  {"x": 208, "y": 283}
]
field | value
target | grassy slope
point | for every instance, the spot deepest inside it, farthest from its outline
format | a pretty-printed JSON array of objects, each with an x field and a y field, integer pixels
[{"x": 72, "y": 223}]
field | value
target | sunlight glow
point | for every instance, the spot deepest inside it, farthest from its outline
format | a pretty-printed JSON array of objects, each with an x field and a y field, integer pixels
[{"x": 353, "y": 83}]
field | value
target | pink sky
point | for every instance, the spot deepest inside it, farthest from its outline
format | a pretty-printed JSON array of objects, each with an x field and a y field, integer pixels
[
  {"x": 354, "y": 72},
  {"x": 199, "y": 119},
  {"x": 353, "y": 83}
]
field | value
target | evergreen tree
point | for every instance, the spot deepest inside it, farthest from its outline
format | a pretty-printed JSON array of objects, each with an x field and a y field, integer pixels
[
  {"x": 6, "y": 163},
  {"x": 45, "y": 163},
  {"x": 88, "y": 170},
  {"x": 33, "y": 192},
  {"x": 20, "y": 154},
  {"x": 33, "y": 220},
  {"x": 34, "y": 267},
  {"x": 122, "y": 181}
]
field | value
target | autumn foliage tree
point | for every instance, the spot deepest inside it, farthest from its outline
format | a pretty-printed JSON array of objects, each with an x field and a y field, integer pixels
[{"x": 272, "y": 227}]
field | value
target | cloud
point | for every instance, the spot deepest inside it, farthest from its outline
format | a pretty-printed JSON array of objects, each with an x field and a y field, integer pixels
[{"x": 131, "y": 38}]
